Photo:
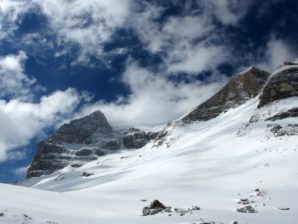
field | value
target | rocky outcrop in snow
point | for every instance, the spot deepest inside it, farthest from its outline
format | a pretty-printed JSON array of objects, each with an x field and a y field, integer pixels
[
  {"x": 84, "y": 140},
  {"x": 282, "y": 85},
  {"x": 82, "y": 130},
  {"x": 135, "y": 138},
  {"x": 237, "y": 91},
  {"x": 79, "y": 141}
]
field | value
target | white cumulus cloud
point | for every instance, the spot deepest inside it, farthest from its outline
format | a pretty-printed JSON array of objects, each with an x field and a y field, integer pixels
[
  {"x": 89, "y": 24},
  {"x": 13, "y": 81},
  {"x": 276, "y": 52},
  {"x": 21, "y": 118},
  {"x": 21, "y": 121},
  {"x": 11, "y": 12},
  {"x": 154, "y": 99}
]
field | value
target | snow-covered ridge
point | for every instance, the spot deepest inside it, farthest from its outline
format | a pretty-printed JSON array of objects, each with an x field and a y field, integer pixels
[
  {"x": 236, "y": 162},
  {"x": 283, "y": 68},
  {"x": 213, "y": 164}
]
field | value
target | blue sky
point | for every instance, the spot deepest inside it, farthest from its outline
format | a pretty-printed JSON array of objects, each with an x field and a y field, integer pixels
[{"x": 63, "y": 59}]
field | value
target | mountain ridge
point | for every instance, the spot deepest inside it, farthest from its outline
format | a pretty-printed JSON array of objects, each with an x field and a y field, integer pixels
[{"x": 86, "y": 139}]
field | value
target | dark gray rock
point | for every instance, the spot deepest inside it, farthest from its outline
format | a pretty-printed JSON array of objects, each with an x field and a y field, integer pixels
[
  {"x": 247, "y": 209},
  {"x": 282, "y": 130},
  {"x": 135, "y": 138},
  {"x": 99, "y": 152},
  {"x": 284, "y": 208},
  {"x": 52, "y": 155},
  {"x": 156, "y": 135},
  {"x": 83, "y": 152},
  {"x": 41, "y": 167},
  {"x": 87, "y": 174},
  {"x": 80, "y": 131},
  {"x": 280, "y": 86},
  {"x": 290, "y": 113},
  {"x": 76, "y": 165},
  {"x": 290, "y": 63},
  {"x": 237, "y": 91},
  {"x": 113, "y": 144},
  {"x": 154, "y": 208},
  {"x": 45, "y": 147},
  {"x": 84, "y": 158}
]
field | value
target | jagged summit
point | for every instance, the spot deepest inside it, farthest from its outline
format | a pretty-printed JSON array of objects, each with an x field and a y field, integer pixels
[
  {"x": 81, "y": 130},
  {"x": 239, "y": 89},
  {"x": 75, "y": 143}
]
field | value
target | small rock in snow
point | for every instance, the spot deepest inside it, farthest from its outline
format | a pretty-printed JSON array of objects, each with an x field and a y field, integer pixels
[
  {"x": 284, "y": 208},
  {"x": 86, "y": 174},
  {"x": 246, "y": 209}
]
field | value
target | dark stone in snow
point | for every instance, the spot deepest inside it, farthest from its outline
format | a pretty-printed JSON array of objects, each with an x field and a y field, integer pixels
[
  {"x": 246, "y": 209},
  {"x": 135, "y": 138},
  {"x": 86, "y": 174},
  {"x": 284, "y": 209},
  {"x": 83, "y": 152},
  {"x": 290, "y": 113},
  {"x": 154, "y": 208},
  {"x": 76, "y": 165}
]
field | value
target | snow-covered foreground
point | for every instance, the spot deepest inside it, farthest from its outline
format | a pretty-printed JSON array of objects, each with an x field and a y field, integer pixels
[{"x": 209, "y": 164}]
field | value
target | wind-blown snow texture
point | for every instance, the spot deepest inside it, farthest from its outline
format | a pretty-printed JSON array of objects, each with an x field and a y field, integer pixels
[{"x": 212, "y": 164}]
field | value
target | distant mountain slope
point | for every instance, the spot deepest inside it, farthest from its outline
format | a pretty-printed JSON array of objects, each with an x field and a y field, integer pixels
[
  {"x": 238, "y": 167},
  {"x": 88, "y": 138},
  {"x": 238, "y": 90}
]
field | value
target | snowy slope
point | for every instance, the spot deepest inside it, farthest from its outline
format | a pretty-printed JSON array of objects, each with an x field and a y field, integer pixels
[{"x": 210, "y": 164}]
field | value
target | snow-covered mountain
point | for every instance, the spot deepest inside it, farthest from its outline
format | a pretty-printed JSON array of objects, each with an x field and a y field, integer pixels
[{"x": 232, "y": 159}]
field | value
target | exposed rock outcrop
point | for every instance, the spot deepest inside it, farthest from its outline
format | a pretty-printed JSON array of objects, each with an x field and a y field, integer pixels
[
  {"x": 281, "y": 130},
  {"x": 135, "y": 138},
  {"x": 282, "y": 85},
  {"x": 237, "y": 91},
  {"x": 82, "y": 130},
  {"x": 154, "y": 208},
  {"x": 75, "y": 143},
  {"x": 282, "y": 115},
  {"x": 83, "y": 140}
]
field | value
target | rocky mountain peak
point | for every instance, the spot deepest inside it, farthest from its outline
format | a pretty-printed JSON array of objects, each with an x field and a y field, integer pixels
[
  {"x": 74, "y": 143},
  {"x": 81, "y": 130},
  {"x": 238, "y": 90}
]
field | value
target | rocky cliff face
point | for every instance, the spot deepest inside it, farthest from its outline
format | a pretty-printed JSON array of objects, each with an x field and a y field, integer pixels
[
  {"x": 136, "y": 138},
  {"x": 83, "y": 140},
  {"x": 237, "y": 91},
  {"x": 81, "y": 131},
  {"x": 282, "y": 85},
  {"x": 75, "y": 143}
]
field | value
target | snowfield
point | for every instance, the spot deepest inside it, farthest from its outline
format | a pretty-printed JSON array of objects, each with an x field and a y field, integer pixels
[{"x": 212, "y": 164}]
